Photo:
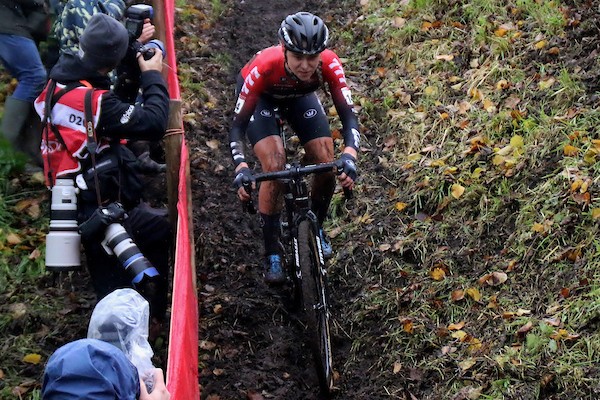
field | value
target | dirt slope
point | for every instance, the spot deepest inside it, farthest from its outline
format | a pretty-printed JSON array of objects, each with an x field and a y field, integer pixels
[{"x": 252, "y": 342}]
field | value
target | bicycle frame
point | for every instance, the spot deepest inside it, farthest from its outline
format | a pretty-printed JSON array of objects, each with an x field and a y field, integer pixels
[{"x": 300, "y": 230}]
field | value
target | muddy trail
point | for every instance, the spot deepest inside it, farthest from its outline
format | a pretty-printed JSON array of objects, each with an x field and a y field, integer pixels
[{"x": 252, "y": 341}]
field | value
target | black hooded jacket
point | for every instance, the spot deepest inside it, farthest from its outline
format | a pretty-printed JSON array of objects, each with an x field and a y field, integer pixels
[{"x": 119, "y": 119}]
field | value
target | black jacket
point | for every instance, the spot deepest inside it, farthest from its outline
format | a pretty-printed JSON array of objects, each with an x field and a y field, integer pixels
[
  {"x": 146, "y": 120},
  {"x": 119, "y": 119},
  {"x": 13, "y": 14}
]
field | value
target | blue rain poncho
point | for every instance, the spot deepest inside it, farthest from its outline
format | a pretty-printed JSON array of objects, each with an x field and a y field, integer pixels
[{"x": 90, "y": 369}]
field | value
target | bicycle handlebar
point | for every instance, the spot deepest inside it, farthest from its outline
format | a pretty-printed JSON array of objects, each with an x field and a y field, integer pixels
[
  {"x": 293, "y": 171},
  {"x": 296, "y": 171}
]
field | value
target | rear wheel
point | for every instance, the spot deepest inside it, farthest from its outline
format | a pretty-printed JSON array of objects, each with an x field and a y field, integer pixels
[{"x": 316, "y": 309}]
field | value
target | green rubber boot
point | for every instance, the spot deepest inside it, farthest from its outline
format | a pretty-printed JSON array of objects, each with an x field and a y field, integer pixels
[
  {"x": 14, "y": 119},
  {"x": 22, "y": 128}
]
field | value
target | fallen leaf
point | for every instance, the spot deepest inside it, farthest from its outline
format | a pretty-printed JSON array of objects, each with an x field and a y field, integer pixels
[
  {"x": 502, "y": 84},
  {"x": 445, "y": 57},
  {"x": 474, "y": 294},
  {"x": 489, "y": 106},
  {"x": 207, "y": 345},
  {"x": 546, "y": 84},
  {"x": 32, "y": 358},
  {"x": 570, "y": 150},
  {"x": 525, "y": 328},
  {"x": 466, "y": 364},
  {"x": 17, "y": 310},
  {"x": 13, "y": 238},
  {"x": 460, "y": 335},
  {"x": 213, "y": 144},
  {"x": 35, "y": 254},
  {"x": 457, "y": 295},
  {"x": 493, "y": 279},
  {"x": 399, "y": 22},
  {"x": 458, "y": 326},
  {"x": 457, "y": 190},
  {"x": 552, "y": 322},
  {"x": 407, "y": 325},
  {"x": 385, "y": 247},
  {"x": 430, "y": 91},
  {"x": 400, "y": 206},
  {"x": 438, "y": 274},
  {"x": 517, "y": 141},
  {"x": 500, "y": 32}
]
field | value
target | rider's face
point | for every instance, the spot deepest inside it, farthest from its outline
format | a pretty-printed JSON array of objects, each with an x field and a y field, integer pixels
[{"x": 301, "y": 65}]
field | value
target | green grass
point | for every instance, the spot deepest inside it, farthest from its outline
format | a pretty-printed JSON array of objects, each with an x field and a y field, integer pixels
[{"x": 518, "y": 210}]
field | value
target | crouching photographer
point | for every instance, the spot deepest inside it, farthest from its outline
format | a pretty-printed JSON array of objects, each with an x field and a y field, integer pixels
[{"x": 126, "y": 242}]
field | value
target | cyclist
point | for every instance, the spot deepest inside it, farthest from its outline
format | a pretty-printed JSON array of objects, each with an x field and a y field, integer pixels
[{"x": 285, "y": 77}]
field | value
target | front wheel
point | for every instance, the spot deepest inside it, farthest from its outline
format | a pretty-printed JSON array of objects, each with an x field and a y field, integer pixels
[{"x": 314, "y": 299}]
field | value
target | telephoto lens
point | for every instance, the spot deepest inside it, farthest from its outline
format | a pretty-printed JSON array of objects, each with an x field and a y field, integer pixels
[
  {"x": 118, "y": 242},
  {"x": 63, "y": 241}
]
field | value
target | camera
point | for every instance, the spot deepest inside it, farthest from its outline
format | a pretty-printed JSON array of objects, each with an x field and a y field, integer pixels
[
  {"x": 105, "y": 225},
  {"x": 135, "y": 16},
  {"x": 63, "y": 241},
  {"x": 128, "y": 72},
  {"x": 134, "y": 23}
]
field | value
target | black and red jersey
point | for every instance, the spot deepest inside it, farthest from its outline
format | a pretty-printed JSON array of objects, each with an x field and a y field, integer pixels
[{"x": 266, "y": 75}]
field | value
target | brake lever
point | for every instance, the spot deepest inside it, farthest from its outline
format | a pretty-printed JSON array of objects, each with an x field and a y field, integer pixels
[
  {"x": 348, "y": 194},
  {"x": 248, "y": 206}
]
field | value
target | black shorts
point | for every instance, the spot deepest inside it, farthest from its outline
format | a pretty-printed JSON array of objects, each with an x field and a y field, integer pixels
[{"x": 305, "y": 115}]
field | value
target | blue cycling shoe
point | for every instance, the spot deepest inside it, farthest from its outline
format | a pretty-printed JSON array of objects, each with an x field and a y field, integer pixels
[
  {"x": 325, "y": 245},
  {"x": 275, "y": 274}
]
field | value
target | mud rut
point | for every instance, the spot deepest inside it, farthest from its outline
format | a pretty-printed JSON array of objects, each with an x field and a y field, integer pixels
[{"x": 252, "y": 343}]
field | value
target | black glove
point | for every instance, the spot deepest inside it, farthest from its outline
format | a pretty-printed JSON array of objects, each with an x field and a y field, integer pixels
[
  {"x": 95, "y": 226},
  {"x": 244, "y": 178},
  {"x": 346, "y": 164}
]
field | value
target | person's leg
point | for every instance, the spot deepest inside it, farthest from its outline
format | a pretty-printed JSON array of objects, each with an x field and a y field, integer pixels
[
  {"x": 308, "y": 120},
  {"x": 21, "y": 58},
  {"x": 271, "y": 155},
  {"x": 151, "y": 232},
  {"x": 268, "y": 147}
]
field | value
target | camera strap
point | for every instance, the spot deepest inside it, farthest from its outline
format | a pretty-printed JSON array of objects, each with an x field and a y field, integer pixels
[
  {"x": 92, "y": 144},
  {"x": 49, "y": 103}
]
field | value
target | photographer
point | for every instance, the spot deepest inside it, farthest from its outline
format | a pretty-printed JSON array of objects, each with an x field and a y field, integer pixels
[
  {"x": 104, "y": 169},
  {"x": 93, "y": 369}
]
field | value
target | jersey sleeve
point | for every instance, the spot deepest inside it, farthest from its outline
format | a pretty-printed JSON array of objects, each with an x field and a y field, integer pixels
[
  {"x": 333, "y": 74},
  {"x": 253, "y": 86}
]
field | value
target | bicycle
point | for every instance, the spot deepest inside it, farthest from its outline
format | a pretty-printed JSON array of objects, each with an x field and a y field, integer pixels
[{"x": 304, "y": 260}]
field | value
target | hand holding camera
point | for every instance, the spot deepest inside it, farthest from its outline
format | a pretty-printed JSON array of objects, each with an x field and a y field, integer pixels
[
  {"x": 105, "y": 224},
  {"x": 139, "y": 27},
  {"x": 148, "y": 31},
  {"x": 155, "y": 62}
]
